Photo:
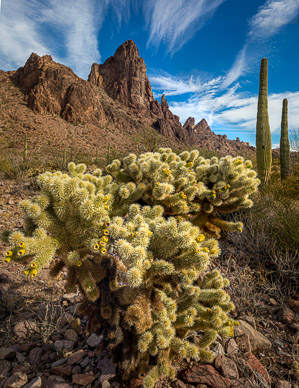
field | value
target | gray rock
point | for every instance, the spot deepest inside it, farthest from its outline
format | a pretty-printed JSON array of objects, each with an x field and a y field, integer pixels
[
  {"x": 7, "y": 354},
  {"x": 218, "y": 350},
  {"x": 71, "y": 335},
  {"x": 94, "y": 340},
  {"x": 105, "y": 384},
  {"x": 231, "y": 347},
  {"x": 25, "y": 329},
  {"x": 17, "y": 380},
  {"x": 58, "y": 345},
  {"x": 76, "y": 357},
  {"x": 35, "y": 356},
  {"x": 20, "y": 357},
  {"x": 68, "y": 345},
  {"x": 35, "y": 383},
  {"x": 226, "y": 367},
  {"x": 257, "y": 340},
  {"x": 107, "y": 368},
  {"x": 58, "y": 362},
  {"x": 249, "y": 319},
  {"x": 84, "y": 362}
]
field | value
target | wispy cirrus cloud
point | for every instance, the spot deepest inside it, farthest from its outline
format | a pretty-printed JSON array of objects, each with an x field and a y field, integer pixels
[
  {"x": 68, "y": 30},
  {"x": 175, "y": 22},
  {"x": 267, "y": 22},
  {"x": 271, "y": 17},
  {"x": 173, "y": 86}
]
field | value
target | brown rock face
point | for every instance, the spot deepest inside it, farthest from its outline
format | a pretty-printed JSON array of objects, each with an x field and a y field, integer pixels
[
  {"x": 123, "y": 77},
  {"x": 54, "y": 88}
]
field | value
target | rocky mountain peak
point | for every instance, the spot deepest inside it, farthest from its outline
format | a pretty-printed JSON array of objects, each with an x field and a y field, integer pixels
[
  {"x": 54, "y": 88},
  {"x": 123, "y": 77}
]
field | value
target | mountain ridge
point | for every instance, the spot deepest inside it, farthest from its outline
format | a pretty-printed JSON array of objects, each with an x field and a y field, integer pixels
[{"x": 117, "y": 96}]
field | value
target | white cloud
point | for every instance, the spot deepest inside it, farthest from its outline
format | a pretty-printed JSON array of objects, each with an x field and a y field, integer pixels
[
  {"x": 78, "y": 25},
  {"x": 237, "y": 111},
  {"x": 268, "y": 21},
  {"x": 19, "y": 34},
  {"x": 68, "y": 30},
  {"x": 271, "y": 17},
  {"x": 175, "y": 22},
  {"x": 175, "y": 86}
]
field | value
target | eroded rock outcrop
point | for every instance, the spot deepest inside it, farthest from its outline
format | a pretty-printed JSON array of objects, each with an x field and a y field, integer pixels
[
  {"x": 54, "y": 88},
  {"x": 123, "y": 77}
]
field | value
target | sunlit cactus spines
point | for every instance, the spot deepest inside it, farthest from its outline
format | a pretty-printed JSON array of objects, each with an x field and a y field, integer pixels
[
  {"x": 139, "y": 255},
  {"x": 263, "y": 133},
  {"x": 284, "y": 142},
  {"x": 193, "y": 188}
]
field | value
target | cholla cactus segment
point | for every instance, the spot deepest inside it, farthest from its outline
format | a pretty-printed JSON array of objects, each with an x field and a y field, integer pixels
[{"x": 188, "y": 184}]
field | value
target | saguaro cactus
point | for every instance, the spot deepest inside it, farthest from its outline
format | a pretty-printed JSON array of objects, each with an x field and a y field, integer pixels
[
  {"x": 263, "y": 134},
  {"x": 25, "y": 152},
  {"x": 284, "y": 142}
]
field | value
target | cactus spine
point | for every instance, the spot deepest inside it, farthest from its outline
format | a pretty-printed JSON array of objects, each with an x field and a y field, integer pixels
[
  {"x": 263, "y": 134},
  {"x": 284, "y": 142}
]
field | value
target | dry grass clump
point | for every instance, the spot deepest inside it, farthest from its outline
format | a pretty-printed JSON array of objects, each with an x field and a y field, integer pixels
[{"x": 270, "y": 238}]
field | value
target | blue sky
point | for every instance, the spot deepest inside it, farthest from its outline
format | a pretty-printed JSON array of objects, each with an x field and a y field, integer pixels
[{"x": 203, "y": 54}]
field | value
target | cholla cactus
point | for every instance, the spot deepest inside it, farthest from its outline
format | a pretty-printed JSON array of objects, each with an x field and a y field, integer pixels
[
  {"x": 187, "y": 186},
  {"x": 156, "y": 288}
]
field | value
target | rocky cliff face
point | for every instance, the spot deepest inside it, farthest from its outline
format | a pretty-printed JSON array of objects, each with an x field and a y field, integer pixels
[
  {"x": 120, "y": 84},
  {"x": 54, "y": 88},
  {"x": 123, "y": 77}
]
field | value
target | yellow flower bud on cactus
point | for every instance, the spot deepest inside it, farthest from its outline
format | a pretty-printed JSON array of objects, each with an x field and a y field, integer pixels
[
  {"x": 157, "y": 184},
  {"x": 200, "y": 238},
  {"x": 26, "y": 272},
  {"x": 106, "y": 232},
  {"x": 189, "y": 170},
  {"x": 205, "y": 249},
  {"x": 228, "y": 186},
  {"x": 106, "y": 207},
  {"x": 236, "y": 323},
  {"x": 231, "y": 331},
  {"x": 105, "y": 238},
  {"x": 106, "y": 198},
  {"x": 21, "y": 252},
  {"x": 150, "y": 233},
  {"x": 190, "y": 164},
  {"x": 103, "y": 250},
  {"x": 22, "y": 245},
  {"x": 78, "y": 263},
  {"x": 9, "y": 253},
  {"x": 96, "y": 247},
  {"x": 137, "y": 233},
  {"x": 209, "y": 310}
]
